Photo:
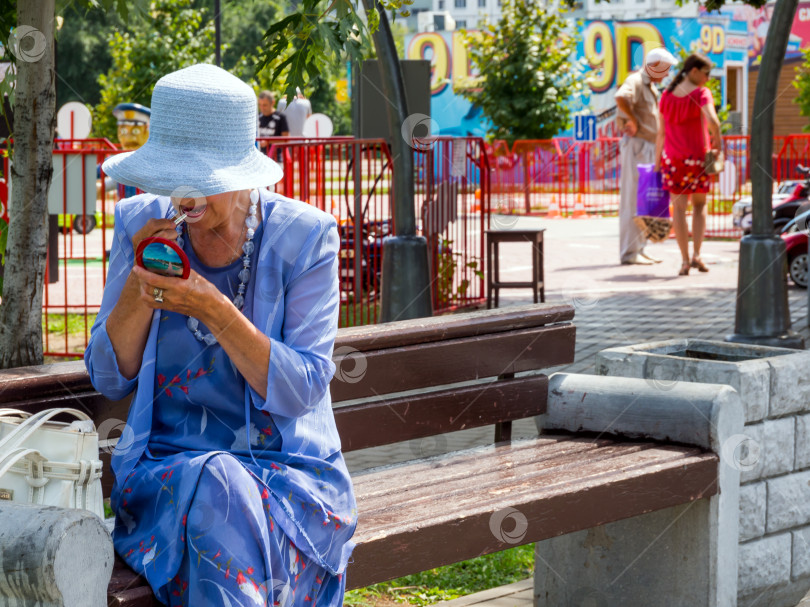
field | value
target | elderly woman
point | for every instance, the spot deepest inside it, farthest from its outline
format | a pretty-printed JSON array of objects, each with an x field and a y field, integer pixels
[{"x": 230, "y": 487}]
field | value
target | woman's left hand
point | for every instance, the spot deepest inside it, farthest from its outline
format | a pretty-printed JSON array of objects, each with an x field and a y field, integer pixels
[{"x": 194, "y": 296}]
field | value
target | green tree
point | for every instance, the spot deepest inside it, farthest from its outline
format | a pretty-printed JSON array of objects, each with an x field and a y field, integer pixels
[
  {"x": 172, "y": 36},
  {"x": 82, "y": 53},
  {"x": 525, "y": 60},
  {"x": 802, "y": 83}
]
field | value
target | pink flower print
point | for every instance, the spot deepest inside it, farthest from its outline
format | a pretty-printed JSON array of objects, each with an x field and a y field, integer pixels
[
  {"x": 188, "y": 373},
  {"x": 267, "y": 431},
  {"x": 168, "y": 392},
  {"x": 200, "y": 372},
  {"x": 265, "y": 493},
  {"x": 184, "y": 389},
  {"x": 274, "y": 466},
  {"x": 161, "y": 379},
  {"x": 249, "y": 570},
  {"x": 176, "y": 379},
  {"x": 227, "y": 573}
]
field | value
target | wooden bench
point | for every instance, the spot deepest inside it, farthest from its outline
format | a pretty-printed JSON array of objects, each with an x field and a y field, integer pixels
[{"x": 421, "y": 378}]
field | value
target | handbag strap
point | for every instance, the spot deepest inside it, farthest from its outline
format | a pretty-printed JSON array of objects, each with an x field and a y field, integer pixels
[
  {"x": 29, "y": 426},
  {"x": 14, "y": 412},
  {"x": 15, "y": 455}
]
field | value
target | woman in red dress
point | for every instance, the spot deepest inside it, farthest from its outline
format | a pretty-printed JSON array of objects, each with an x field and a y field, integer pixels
[{"x": 688, "y": 122}]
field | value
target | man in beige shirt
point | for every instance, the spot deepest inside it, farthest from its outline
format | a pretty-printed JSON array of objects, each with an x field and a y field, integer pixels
[{"x": 637, "y": 103}]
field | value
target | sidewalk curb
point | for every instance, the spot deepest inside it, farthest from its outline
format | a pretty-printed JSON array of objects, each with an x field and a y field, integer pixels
[{"x": 501, "y": 594}]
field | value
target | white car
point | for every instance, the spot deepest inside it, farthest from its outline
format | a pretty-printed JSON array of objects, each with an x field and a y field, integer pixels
[{"x": 741, "y": 210}]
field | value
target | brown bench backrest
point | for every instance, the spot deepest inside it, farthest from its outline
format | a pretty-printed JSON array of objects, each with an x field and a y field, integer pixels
[{"x": 375, "y": 363}]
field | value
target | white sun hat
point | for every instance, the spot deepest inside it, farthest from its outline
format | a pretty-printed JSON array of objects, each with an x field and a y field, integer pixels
[
  {"x": 202, "y": 137},
  {"x": 660, "y": 55}
]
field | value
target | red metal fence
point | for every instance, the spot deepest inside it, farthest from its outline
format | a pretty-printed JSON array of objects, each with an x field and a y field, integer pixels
[
  {"x": 457, "y": 182},
  {"x": 349, "y": 178},
  {"x": 564, "y": 178}
]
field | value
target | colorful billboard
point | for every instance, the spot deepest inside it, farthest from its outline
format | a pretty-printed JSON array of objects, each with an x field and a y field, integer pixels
[
  {"x": 731, "y": 38},
  {"x": 754, "y": 22},
  {"x": 450, "y": 74},
  {"x": 615, "y": 49}
]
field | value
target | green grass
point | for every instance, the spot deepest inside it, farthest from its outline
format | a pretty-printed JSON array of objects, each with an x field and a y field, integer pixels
[
  {"x": 364, "y": 314},
  {"x": 55, "y": 323},
  {"x": 452, "y": 581}
]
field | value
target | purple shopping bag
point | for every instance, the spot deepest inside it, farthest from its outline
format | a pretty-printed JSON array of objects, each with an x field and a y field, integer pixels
[{"x": 652, "y": 200}]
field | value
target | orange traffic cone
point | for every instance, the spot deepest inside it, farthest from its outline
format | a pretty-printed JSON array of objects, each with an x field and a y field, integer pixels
[
  {"x": 553, "y": 208},
  {"x": 579, "y": 209}
]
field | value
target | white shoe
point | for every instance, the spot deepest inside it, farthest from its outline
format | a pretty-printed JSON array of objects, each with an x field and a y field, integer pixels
[{"x": 638, "y": 261}]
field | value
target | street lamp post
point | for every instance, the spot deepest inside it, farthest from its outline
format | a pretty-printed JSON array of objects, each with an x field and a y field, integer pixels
[
  {"x": 405, "y": 276},
  {"x": 763, "y": 314}
]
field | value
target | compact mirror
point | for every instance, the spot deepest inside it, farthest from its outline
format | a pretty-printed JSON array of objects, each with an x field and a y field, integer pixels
[{"x": 162, "y": 257}]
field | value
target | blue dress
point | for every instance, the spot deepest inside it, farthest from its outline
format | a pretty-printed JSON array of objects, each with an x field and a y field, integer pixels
[{"x": 214, "y": 513}]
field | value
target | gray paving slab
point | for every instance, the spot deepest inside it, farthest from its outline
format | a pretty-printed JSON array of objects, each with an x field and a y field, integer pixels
[{"x": 615, "y": 305}]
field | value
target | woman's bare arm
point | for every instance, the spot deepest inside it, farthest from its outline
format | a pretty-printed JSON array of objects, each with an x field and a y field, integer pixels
[
  {"x": 660, "y": 136},
  {"x": 713, "y": 122}
]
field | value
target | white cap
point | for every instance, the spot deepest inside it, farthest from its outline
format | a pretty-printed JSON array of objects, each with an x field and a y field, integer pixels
[{"x": 658, "y": 55}]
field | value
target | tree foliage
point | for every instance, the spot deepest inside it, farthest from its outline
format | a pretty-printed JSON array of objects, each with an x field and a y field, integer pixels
[
  {"x": 319, "y": 34},
  {"x": 527, "y": 72},
  {"x": 802, "y": 83},
  {"x": 82, "y": 53},
  {"x": 172, "y": 36}
]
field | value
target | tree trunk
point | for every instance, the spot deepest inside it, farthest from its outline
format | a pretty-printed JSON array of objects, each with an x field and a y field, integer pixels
[
  {"x": 31, "y": 172},
  {"x": 405, "y": 277},
  {"x": 762, "y": 123},
  {"x": 763, "y": 312},
  {"x": 397, "y": 111}
]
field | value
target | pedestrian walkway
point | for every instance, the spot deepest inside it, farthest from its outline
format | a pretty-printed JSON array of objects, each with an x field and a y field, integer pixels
[
  {"x": 614, "y": 306},
  {"x": 602, "y": 321}
]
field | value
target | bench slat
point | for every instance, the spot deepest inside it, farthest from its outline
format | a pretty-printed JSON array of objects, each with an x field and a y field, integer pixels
[
  {"x": 398, "y": 419},
  {"x": 494, "y": 476},
  {"x": 441, "y": 469},
  {"x": 648, "y": 480},
  {"x": 437, "y": 328},
  {"x": 455, "y": 360}
]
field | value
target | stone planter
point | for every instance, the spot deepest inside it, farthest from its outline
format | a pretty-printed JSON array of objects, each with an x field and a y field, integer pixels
[{"x": 774, "y": 387}]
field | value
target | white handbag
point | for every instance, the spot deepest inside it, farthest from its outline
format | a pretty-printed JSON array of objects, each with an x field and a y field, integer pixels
[{"x": 50, "y": 463}]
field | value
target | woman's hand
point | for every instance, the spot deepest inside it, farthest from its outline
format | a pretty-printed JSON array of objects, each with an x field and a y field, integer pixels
[
  {"x": 193, "y": 296},
  {"x": 161, "y": 228}
]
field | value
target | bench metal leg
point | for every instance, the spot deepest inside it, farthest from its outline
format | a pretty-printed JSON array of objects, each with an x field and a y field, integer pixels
[{"x": 684, "y": 555}]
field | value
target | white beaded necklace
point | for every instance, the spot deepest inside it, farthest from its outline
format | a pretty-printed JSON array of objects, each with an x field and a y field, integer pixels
[{"x": 251, "y": 223}]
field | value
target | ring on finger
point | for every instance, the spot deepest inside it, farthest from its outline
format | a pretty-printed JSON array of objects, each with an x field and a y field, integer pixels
[{"x": 158, "y": 294}]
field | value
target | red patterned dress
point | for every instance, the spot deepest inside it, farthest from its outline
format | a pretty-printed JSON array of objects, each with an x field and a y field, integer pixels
[{"x": 686, "y": 142}]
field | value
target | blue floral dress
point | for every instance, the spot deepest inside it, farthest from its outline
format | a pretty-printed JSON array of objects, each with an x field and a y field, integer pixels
[{"x": 214, "y": 513}]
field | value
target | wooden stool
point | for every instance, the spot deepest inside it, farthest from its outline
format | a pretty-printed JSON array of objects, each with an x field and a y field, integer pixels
[{"x": 537, "y": 284}]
